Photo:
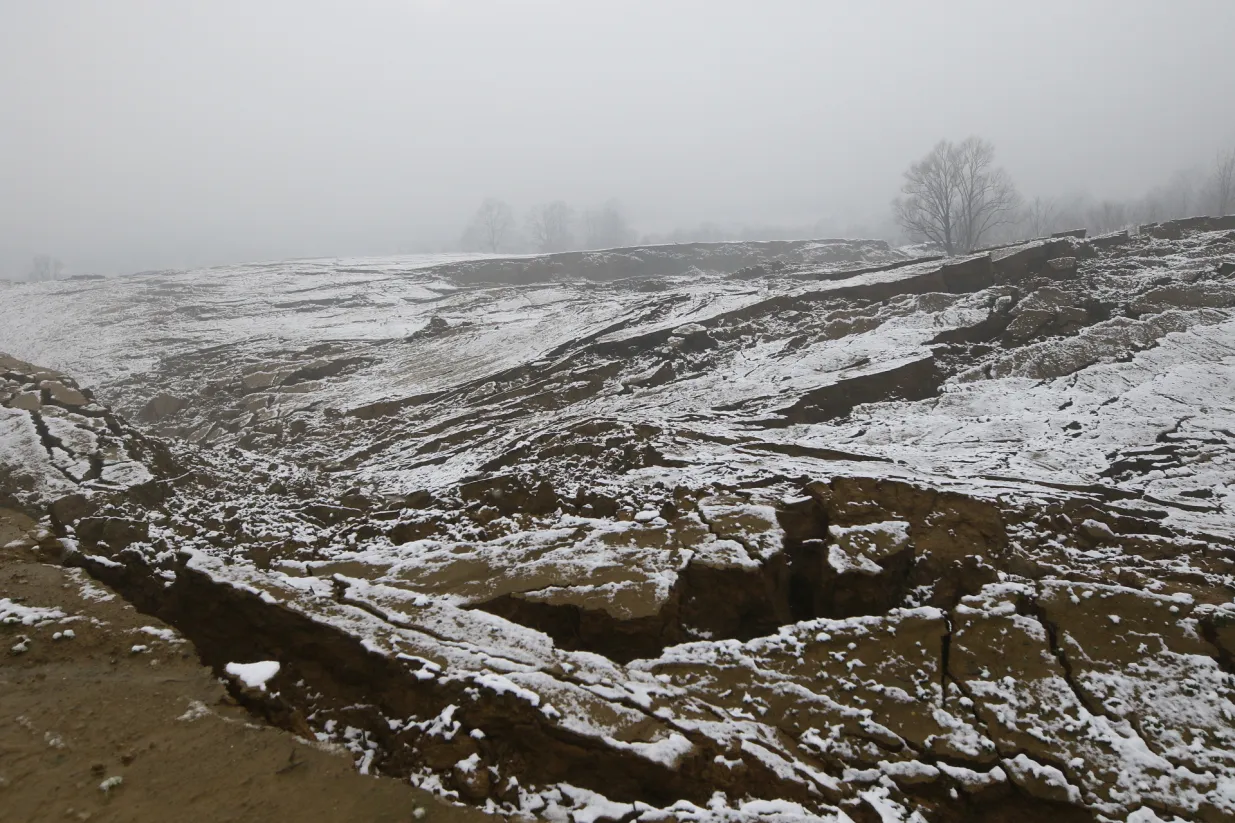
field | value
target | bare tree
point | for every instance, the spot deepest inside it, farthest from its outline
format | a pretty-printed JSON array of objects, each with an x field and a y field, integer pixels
[
  {"x": 1041, "y": 216},
  {"x": 1222, "y": 184},
  {"x": 490, "y": 226},
  {"x": 954, "y": 197},
  {"x": 988, "y": 198},
  {"x": 606, "y": 227},
  {"x": 1108, "y": 216},
  {"x": 551, "y": 226},
  {"x": 928, "y": 210},
  {"x": 1152, "y": 207},
  {"x": 1181, "y": 193},
  {"x": 1071, "y": 211},
  {"x": 45, "y": 267}
]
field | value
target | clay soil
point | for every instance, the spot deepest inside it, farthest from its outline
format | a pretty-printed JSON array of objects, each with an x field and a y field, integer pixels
[{"x": 76, "y": 712}]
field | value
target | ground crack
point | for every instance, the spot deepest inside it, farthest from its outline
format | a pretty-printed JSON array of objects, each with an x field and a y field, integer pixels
[
  {"x": 1036, "y": 611},
  {"x": 51, "y": 443}
]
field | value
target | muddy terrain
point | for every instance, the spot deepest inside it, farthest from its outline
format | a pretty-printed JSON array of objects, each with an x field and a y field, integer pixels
[
  {"x": 107, "y": 715},
  {"x": 821, "y": 530}
]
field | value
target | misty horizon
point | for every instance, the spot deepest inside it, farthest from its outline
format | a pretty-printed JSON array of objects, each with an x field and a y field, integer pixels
[{"x": 143, "y": 135}]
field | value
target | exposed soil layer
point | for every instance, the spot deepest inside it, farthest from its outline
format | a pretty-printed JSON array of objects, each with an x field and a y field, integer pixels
[{"x": 125, "y": 699}]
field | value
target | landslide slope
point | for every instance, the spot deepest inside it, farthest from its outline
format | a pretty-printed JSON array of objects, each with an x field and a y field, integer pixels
[{"x": 811, "y": 530}]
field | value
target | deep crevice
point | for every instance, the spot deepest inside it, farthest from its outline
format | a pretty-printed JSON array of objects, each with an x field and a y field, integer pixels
[
  {"x": 945, "y": 656},
  {"x": 917, "y": 380},
  {"x": 328, "y": 671},
  {"x": 723, "y": 603}
]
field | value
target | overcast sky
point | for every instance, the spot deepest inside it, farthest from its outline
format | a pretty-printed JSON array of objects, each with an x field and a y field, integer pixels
[{"x": 168, "y": 133}]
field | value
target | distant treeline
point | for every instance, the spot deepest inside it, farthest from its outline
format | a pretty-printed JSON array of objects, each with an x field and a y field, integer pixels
[{"x": 955, "y": 198}]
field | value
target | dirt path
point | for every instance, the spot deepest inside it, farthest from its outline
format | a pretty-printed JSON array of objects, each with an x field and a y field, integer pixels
[{"x": 124, "y": 697}]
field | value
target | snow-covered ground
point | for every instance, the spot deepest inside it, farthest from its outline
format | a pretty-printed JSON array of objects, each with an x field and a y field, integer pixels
[
  {"x": 104, "y": 330},
  {"x": 843, "y": 533}
]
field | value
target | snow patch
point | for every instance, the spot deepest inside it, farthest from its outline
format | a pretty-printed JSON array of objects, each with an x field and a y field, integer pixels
[{"x": 254, "y": 675}]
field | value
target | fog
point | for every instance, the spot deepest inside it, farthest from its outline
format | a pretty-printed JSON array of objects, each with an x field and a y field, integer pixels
[{"x": 141, "y": 135}]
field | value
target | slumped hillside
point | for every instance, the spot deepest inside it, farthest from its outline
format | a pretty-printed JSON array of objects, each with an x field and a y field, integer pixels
[{"x": 718, "y": 532}]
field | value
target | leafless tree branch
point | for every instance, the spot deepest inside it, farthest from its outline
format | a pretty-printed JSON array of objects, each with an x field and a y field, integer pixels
[
  {"x": 490, "y": 225},
  {"x": 551, "y": 226},
  {"x": 1222, "y": 184},
  {"x": 954, "y": 197}
]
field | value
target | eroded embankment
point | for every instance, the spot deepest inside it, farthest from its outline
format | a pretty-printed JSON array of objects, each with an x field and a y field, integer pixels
[
  {"x": 327, "y": 671},
  {"x": 856, "y": 552}
]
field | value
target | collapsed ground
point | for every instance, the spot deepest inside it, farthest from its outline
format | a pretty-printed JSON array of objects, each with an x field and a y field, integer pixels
[
  {"x": 107, "y": 715},
  {"x": 712, "y": 533}
]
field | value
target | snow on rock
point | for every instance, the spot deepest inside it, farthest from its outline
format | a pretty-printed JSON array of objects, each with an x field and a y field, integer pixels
[
  {"x": 31, "y": 476},
  {"x": 254, "y": 675}
]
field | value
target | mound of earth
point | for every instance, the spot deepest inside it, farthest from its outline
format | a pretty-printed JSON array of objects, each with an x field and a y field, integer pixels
[{"x": 829, "y": 533}]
